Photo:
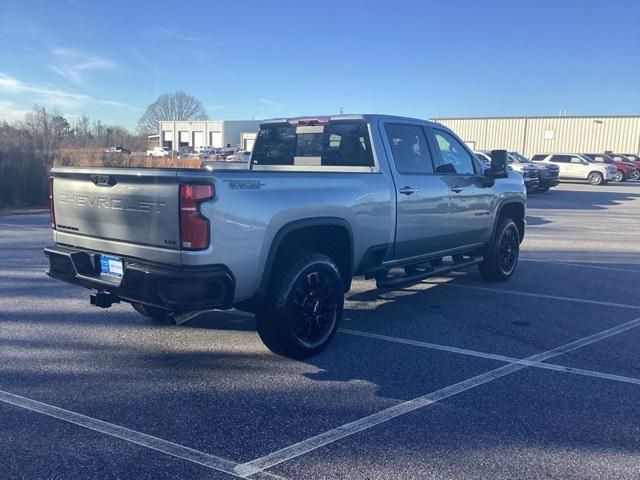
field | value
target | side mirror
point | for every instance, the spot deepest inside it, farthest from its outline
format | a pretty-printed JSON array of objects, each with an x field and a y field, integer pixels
[{"x": 499, "y": 164}]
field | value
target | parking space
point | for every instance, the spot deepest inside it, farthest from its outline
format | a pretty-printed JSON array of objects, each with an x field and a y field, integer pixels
[
  {"x": 420, "y": 382},
  {"x": 532, "y": 424},
  {"x": 36, "y": 446}
]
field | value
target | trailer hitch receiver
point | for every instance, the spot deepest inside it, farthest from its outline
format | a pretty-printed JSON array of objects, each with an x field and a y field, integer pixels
[{"x": 103, "y": 299}]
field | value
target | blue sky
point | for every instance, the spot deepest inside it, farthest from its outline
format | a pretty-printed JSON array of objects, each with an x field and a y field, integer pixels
[{"x": 259, "y": 59}]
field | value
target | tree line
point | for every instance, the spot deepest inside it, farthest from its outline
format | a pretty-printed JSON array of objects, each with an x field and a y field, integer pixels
[{"x": 29, "y": 147}]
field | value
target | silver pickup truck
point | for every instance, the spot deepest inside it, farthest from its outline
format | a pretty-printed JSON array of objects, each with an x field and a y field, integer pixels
[{"x": 322, "y": 200}]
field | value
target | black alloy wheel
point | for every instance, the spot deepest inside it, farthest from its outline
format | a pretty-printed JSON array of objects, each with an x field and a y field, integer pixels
[
  {"x": 314, "y": 308},
  {"x": 304, "y": 307},
  {"x": 509, "y": 249}
]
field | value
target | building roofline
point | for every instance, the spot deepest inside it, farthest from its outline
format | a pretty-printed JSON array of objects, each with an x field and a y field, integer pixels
[{"x": 507, "y": 117}]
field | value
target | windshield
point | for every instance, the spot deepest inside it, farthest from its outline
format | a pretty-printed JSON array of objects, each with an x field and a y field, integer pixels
[{"x": 518, "y": 157}]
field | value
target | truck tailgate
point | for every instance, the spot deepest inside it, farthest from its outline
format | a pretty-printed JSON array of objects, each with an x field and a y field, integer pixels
[{"x": 102, "y": 208}]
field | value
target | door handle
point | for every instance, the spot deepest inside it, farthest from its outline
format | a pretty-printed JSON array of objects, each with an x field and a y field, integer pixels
[
  {"x": 456, "y": 189},
  {"x": 408, "y": 190}
]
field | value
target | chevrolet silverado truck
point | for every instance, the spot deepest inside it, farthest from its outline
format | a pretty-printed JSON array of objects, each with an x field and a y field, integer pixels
[{"x": 321, "y": 201}]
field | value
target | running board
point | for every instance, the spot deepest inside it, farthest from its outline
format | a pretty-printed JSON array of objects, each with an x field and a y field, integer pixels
[{"x": 405, "y": 280}]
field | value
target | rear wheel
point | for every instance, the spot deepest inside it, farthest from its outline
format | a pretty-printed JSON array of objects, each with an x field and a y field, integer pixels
[
  {"x": 159, "y": 314},
  {"x": 619, "y": 176},
  {"x": 501, "y": 257},
  {"x": 595, "y": 178},
  {"x": 304, "y": 306},
  {"x": 635, "y": 175}
]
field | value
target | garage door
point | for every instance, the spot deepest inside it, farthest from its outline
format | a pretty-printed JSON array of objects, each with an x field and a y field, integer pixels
[
  {"x": 183, "y": 139},
  {"x": 216, "y": 139},
  {"x": 248, "y": 139},
  {"x": 198, "y": 139}
]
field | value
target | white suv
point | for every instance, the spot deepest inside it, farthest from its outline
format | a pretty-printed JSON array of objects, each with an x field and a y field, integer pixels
[
  {"x": 159, "y": 152},
  {"x": 575, "y": 166}
]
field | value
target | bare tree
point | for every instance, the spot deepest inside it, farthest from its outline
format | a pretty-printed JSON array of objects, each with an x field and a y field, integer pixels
[
  {"x": 171, "y": 106},
  {"x": 49, "y": 128}
]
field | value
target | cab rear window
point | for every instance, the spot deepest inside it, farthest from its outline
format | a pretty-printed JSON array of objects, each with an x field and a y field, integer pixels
[{"x": 330, "y": 145}]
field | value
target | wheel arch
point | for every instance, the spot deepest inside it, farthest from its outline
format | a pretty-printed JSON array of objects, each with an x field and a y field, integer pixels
[
  {"x": 332, "y": 236},
  {"x": 515, "y": 210}
]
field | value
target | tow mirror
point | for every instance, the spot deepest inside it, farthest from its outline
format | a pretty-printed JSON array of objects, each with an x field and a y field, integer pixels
[{"x": 499, "y": 164}]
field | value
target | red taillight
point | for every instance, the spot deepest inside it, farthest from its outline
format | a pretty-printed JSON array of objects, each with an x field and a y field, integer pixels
[
  {"x": 52, "y": 212},
  {"x": 194, "y": 228}
]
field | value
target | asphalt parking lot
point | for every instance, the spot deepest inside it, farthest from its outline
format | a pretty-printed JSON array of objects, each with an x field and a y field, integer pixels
[{"x": 452, "y": 378}]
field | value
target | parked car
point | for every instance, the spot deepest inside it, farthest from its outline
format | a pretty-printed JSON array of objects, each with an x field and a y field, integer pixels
[
  {"x": 239, "y": 156},
  {"x": 575, "y": 166},
  {"x": 627, "y": 157},
  {"x": 529, "y": 173},
  {"x": 219, "y": 154},
  {"x": 547, "y": 172},
  {"x": 624, "y": 170},
  {"x": 118, "y": 149},
  {"x": 160, "y": 152},
  {"x": 323, "y": 200}
]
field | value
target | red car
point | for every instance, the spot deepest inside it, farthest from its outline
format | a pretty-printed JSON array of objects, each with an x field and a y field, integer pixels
[
  {"x": 627, "y": 157},
  {"x": 625, "y": 170}
]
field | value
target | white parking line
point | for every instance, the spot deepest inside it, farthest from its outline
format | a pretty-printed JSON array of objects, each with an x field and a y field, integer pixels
[
  {"x": 579, "y": 265},
  {"x": 540, "y": 295},
  {"x": 154, "y": 443},
  {"x": 247, "y": 469},
  {"x": 492, "y": 356}
]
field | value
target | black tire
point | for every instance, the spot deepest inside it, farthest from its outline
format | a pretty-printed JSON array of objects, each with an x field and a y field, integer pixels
[
  {"x": 544, "y": 189},
  {"x": 501, "y": 257},
  {"x": 158, "y": 314},
  {"x": 304, "y": 307},
  {"x": 635, "y": 176},
  {"x": 620, "y": 176},
  {"x": 596, "y": 178}
]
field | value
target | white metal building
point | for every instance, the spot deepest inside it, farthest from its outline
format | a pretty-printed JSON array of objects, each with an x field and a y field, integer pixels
[
  {"x": 530, "y": 135},
  {"x": 199, "y": 133}
]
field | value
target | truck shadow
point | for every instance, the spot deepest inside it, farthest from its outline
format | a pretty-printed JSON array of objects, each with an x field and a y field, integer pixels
[{"x": 582, "y": 199}]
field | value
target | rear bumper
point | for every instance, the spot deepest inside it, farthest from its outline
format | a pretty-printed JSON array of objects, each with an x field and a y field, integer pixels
[{"x": 172, "y": 287}]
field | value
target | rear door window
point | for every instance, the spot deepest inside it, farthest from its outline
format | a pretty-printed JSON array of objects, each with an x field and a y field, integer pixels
[
  {"x": 331, "y": 145},
  {"x": 409, "y": 148}
]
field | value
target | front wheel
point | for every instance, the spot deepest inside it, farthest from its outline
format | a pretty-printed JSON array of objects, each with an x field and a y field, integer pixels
[
  {"x": 501, "y": 257},
  {"x": 544, "y": 189},
  {"x": 619, "y": 176},
  {"x": 595, "y": 178},
  {"x": 305, "y": 306}
]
